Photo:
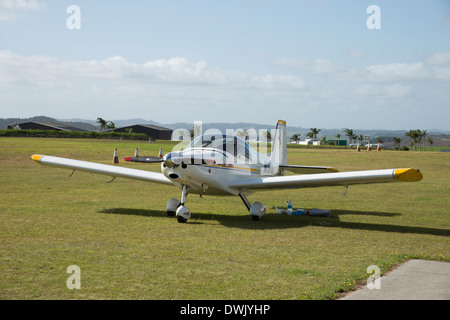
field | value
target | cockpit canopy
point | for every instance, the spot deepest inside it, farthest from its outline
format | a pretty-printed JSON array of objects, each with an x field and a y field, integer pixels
[{"x": 231, "y": 145}]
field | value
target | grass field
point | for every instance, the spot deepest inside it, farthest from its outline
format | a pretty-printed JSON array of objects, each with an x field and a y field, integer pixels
[{"x": 127, "y": 248}]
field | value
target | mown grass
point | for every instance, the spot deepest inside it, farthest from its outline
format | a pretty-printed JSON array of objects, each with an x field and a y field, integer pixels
[{"x": 127, "y": 248}]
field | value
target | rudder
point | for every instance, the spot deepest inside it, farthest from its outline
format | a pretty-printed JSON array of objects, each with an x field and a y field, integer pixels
[{"x": 279, "y": 151}]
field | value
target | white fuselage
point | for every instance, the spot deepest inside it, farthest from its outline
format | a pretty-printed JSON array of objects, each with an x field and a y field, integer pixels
[{"x": 210, "y": 171}]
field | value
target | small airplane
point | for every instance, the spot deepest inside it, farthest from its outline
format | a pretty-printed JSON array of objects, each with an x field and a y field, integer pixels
[{"x": 221, "y": 164}]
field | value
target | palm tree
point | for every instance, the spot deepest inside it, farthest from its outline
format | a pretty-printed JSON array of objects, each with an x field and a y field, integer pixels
[
  {"x": 102, "y": 123},
  {"x": 419, "y": 137},
  {"x": 314, "y": 132},
  {"x": 379, "y": 141},
  {"x": 397, "y": 142},
  {"x": 195, "y": 131},
  {"x": 295, "y": 137},
  {"x": 349, "y": 133},
  {"x": 423, "y": 136},
  {"x": 430, "y": 141},
  {"x": 414, "y": 135},
  {"x": 360, "y": 139},
  {"x": 110, "y": 125},
  {"x": 267, "y": 135}
]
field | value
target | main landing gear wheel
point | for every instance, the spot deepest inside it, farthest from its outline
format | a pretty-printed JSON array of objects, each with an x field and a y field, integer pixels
[{"x": 257, "y": 209}]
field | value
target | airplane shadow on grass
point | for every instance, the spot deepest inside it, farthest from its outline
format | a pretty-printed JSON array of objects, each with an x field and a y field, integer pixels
[{"x": 276, "y": 221}]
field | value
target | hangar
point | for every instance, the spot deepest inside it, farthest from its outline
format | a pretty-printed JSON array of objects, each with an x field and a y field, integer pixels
[
  {"x": 32, "y": 125},
  {"x": 153, "y": 131}
]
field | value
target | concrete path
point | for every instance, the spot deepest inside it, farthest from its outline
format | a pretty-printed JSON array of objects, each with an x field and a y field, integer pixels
[{"x": 413, "y": 280}]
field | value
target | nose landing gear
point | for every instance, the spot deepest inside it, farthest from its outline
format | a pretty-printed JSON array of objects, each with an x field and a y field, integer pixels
[{"x": 177, "y": 208}]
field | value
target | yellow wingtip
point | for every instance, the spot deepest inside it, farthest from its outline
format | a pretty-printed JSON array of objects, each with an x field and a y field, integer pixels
[
  {"x": 408, "y": 175},
  {"x": 332, "y": 169},
  {"x": 36, "y": 157}
]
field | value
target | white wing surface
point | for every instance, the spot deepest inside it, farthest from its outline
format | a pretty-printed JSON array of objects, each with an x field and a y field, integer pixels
[
  {"x": 328, "y": 179},
  {"x": 104, "y": 169},
  {"x": 307, "y": 169}
]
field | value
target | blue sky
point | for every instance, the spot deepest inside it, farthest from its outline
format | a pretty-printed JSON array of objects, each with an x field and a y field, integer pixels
[{"x": 312, "y": 63}]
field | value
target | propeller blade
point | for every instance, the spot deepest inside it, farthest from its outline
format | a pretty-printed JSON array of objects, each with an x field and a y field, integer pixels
[{"x": 144, "y": 159}]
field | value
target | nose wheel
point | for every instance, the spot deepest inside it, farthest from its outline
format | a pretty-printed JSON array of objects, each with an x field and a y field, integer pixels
[{"x": 183, "y": 214}]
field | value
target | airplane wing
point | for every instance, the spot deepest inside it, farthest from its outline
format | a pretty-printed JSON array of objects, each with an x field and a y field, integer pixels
[
  {"x": 307, "y": 169},
  {"x": 328, "y": 179},
  {"x": 109, "y": 170}
]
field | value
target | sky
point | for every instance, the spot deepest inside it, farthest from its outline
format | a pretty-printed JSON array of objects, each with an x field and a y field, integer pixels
[{"x": 322, "y": 64}]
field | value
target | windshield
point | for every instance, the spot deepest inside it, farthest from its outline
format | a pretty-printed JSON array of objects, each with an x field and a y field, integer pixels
[{"x": 230, "y": 144}]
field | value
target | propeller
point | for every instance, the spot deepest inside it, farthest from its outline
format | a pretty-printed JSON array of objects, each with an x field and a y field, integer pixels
[{"x": 144, "y": 159}]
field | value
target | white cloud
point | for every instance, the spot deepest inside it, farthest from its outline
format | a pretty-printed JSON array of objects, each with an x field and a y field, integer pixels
[
  {"x": 435, "y": 66},
  {"x": 439, "y": 58},
  {"x": 177, "y": 89},
  {"x": 398, "y": 72},
  {"x": 354, "y": 54},
  {"x": 389, "y": 91},
  {"x": 35, "y": 70},
  {"x": 9, "y": 8},
  {"x": 318, "y": 66}
]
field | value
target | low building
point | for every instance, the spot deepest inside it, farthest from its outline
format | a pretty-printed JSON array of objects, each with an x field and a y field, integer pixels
[
  {"x": 153, "y": 131},
  {"x": 306, "y": 142},
  {"x": 337, "y": 142},
  {"x": 33, "y": 125}
]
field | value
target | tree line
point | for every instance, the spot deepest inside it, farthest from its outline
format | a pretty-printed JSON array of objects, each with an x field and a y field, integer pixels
[{"x": 418, "y": 138}]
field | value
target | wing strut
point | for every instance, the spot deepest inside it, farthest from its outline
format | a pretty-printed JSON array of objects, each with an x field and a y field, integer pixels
[{"x": 245, "y": 200}]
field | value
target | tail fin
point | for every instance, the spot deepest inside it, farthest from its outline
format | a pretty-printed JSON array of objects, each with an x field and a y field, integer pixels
[{"x": 279, "y": 152}]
